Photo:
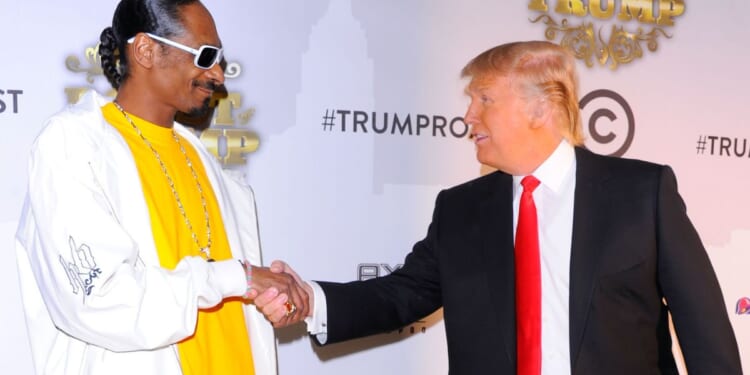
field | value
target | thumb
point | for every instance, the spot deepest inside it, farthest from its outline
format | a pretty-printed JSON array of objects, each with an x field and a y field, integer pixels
[{"x": 278, "y": 266}]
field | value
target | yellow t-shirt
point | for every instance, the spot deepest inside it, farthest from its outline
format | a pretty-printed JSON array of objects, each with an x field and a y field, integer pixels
[{"x": 220, "y": 344}]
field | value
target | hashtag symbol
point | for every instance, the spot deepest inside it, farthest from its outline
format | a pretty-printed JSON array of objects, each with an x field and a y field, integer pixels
[
  {"x": 701, "y": 144},
  {"x": 328, "y": 120}
]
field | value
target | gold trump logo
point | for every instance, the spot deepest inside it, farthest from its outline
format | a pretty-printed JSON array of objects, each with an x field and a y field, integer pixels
[
  {"x": 588, "y": 42},
  {"x": 222, "y": 136}
]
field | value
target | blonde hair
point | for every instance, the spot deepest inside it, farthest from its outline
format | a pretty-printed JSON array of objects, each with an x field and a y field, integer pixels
[{"x": 543, "y": 71}]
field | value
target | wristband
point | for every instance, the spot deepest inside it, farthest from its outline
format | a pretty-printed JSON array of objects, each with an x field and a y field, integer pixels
[{"x": 248, "y": 277}]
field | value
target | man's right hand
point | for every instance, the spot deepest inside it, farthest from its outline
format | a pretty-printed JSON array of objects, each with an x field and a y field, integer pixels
[{"x": 272, "y": 301}]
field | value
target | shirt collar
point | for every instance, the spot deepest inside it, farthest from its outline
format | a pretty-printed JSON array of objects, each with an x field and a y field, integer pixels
[{"x": 554, "y": 170}]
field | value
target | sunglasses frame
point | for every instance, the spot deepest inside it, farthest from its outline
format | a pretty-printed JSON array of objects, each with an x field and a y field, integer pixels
[{"x": 196, "y": 52}]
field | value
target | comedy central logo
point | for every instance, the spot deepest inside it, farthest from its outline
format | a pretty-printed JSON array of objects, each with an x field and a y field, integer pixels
[
  {"x": 609, "y": 32},
  {"x": 223, "y": 133}
]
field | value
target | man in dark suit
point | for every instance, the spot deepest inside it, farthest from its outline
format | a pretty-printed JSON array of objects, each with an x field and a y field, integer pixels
[{"x": 562, "y": 261}]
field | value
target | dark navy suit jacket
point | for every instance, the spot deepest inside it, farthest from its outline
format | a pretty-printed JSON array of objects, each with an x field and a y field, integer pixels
[{"x": 633, "y": 249}]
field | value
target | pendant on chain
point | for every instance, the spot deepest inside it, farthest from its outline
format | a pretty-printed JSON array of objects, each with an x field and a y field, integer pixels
[{"x": 207, "y": 252}]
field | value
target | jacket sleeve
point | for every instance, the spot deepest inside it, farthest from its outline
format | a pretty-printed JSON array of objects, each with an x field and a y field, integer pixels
[
  {"x": 87, "y": 266},
  {"x": 691, "y": 289}
]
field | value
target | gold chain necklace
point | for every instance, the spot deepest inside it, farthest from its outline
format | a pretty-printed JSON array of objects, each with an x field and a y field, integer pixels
[{"x": 206, "y": 250}]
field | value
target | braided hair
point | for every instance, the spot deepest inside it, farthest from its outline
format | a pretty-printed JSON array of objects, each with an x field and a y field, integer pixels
[{"x": 159, "y": 17}]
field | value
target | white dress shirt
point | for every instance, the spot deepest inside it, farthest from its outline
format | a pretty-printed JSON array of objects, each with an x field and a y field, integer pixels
[{"x": 554, "y": 204}]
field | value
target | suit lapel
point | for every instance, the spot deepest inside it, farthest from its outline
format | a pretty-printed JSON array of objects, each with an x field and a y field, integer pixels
[
  {"x": 496, "y": 215},
  {"x": 589, "y": 230}
]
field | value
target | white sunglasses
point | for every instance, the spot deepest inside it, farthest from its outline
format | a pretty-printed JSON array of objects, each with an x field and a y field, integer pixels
[{"x": 205, "y": 56}]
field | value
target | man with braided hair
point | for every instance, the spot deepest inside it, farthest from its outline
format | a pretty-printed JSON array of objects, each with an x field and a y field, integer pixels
[{"x": 137, "y": 253}]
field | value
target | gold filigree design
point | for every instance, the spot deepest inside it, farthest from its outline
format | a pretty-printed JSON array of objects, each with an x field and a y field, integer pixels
[
  {"x": 622, "y": 47},
  {"x": 91, "y": 56}
]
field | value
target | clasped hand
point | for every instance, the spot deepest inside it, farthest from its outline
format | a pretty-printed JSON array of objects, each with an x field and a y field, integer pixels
[{"x": 274, "y": 288}]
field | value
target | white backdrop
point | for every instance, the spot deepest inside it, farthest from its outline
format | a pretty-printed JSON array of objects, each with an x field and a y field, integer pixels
[{"x": 340, "y": 203}]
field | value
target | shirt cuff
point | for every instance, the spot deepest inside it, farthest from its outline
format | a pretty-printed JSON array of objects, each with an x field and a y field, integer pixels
[
  {"x": 317, "y": 324},
  {"x": 228, "y": 276}
]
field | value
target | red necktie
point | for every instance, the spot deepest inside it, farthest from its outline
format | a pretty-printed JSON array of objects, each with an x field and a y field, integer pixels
[{"x": 528, "y": 284}]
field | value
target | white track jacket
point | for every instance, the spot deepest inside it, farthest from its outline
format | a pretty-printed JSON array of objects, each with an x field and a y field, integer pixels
[{"x": 95, "y": 299}]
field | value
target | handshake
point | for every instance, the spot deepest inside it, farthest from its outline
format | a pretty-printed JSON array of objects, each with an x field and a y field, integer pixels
[{"x": 279, "y": 293}]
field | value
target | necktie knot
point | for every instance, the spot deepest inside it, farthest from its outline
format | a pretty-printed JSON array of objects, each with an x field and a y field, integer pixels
[{"x": 529, "y": 183}]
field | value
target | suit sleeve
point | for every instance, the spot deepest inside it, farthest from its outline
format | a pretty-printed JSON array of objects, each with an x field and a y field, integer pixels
[
  {"x": 362, "y": 308},
  {"x": 691, "y": 289}
]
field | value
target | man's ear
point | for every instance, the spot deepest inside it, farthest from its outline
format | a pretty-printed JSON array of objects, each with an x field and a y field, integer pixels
[
  {"x": 540, "y": 112},
  {"x": 143, "y": 51}
]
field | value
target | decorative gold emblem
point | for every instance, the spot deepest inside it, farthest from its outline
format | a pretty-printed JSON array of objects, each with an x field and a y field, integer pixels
[
  {"x": 94, "y": 69},
  {"x": 220, "y": 133},
  {"x": 587, "y": 42}
]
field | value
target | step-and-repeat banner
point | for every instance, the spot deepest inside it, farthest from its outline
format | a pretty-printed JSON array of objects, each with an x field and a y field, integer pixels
[{"x": 346, "y": 117}]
